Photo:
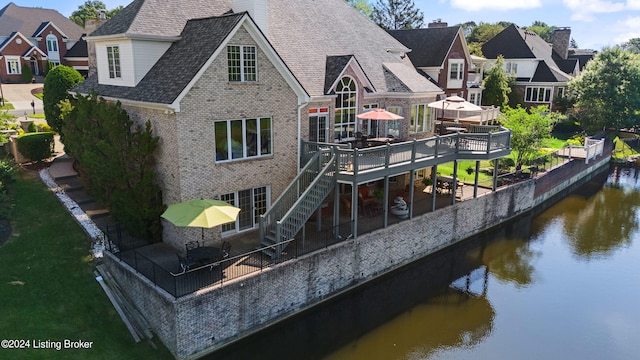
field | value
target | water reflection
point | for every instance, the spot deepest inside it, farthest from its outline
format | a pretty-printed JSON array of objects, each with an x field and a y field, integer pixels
[{"x": 514, "y": 290}]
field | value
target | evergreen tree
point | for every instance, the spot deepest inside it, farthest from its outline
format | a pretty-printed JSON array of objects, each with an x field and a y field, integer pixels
[
  {"x": 27, "y": 74},
  {"x": 496, "y": 85},
  {"x": 397, "y": 14},
  {"x": 116, "y": 162},
  {"x": 606, "y": 92},
  {"x": 56, "y": 86}
]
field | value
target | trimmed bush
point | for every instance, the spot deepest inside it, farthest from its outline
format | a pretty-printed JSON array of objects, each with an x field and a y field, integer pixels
[
  {"x": 57, "y": 84},
  {"x": 27, "y": 74},
  {"x": 32, "y": 127},
  {"x": 36, "y": 146}
]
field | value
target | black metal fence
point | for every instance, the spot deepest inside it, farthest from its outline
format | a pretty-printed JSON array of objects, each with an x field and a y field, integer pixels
[{"x": 186, "y": 282}]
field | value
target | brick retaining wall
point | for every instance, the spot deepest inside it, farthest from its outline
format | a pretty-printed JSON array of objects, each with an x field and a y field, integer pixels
[{"x": 202, "y": 322}]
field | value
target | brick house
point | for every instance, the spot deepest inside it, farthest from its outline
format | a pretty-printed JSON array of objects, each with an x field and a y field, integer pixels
[
  {"x": 233, "y": 87},
  {"x": 542, "y": 70},
  {"x": 33, "y": 36},
  {"x": 441, "y": 52}
]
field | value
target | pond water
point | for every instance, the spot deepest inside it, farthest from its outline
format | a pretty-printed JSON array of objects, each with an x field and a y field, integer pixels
[{"x": 562, "y": 284}]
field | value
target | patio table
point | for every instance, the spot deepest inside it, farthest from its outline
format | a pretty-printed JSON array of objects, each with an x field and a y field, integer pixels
[{"x": 205, "y": 254}]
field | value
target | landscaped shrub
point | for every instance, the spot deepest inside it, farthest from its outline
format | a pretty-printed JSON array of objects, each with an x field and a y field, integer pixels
[
  {"x": 32, "y": 127},
  {"x": 36, "y": 146},
  {"x": 56, "y": 87},
  {"x": 45, "y": 127},
  {"x": 6, "y": 172},
  {"x": 116, "y": 162},
  {"x": 567, "y": 127},
  {"x": 27, "y": 75}
]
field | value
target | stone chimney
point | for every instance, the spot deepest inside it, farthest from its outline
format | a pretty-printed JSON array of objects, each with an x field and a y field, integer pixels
[
  {"x": 256, "y": 8},
  {"x": 560, "y": 41},
  {"x": 437, "y": 23}
]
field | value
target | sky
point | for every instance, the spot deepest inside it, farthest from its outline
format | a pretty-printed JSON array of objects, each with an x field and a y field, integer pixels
[{"x": 594, "y": 23}]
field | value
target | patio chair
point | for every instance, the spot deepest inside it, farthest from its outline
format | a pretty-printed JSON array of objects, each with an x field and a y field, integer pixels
[
  {"x": 226, "y": 249},
  {"x": 192, "y": 245},
  {"x": 185, "y": 263}
]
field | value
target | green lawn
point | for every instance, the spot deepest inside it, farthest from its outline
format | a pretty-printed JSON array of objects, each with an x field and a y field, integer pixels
[
  {"x": 7, "y": 106},
  {"x": 447, "y": 169},
  {"x": 47, "y": 287},
  {"x": 36, "y": 116}
]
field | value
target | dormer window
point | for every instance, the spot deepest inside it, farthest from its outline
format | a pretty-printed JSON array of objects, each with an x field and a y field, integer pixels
[
  {"x": 113, "y": 59},
  {"x": 242, "y": 63}
]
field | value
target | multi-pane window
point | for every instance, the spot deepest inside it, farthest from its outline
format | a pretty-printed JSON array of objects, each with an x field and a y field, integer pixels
[
  {"x": 113, "y": 60},
  {"x": 243, "y": 138},
  {"x": 420, "y": 119},
  {"x": 456, "y": 70},
  {"x": 252, "y": 204},
  {"x": 13, "y": 66},
  {"x": 561, "y": 92},
  {"x": 318, "y": 124},
  {"x": 538, "y": 94},
  {"x": 346, "y": 105},
  {"x": 511, "y": 68},
  {"x": 52, "y": 43},
  {"x": 241, "y": 62}
]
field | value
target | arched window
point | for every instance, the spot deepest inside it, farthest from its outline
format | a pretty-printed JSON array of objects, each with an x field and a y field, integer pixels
[
  {"x": 52, "y": 49},
  {"x": 346, "y": 105}
]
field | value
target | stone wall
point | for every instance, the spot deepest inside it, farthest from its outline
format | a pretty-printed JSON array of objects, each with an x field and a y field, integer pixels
[{"x": 200, "y": 323}]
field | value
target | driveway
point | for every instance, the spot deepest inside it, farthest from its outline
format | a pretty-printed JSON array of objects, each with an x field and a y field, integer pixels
[{"x": 20, "y": 96}]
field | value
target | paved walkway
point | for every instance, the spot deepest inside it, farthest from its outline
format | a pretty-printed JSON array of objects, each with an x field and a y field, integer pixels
[{"x": 19, "y": 95}]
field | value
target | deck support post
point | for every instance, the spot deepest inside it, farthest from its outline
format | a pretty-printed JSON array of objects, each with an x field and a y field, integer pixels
[{"x": 475, "y": 181}]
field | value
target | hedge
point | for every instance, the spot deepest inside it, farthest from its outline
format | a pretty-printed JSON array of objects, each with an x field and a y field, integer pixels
[{"x": 36, "y": 146}]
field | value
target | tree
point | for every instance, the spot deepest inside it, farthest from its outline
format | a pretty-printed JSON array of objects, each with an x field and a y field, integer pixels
[
  {"x": 397, "y": 14},
  {"x": 606, "y": 92},
  {"x": 496, "y": 85},
  {"x": 573, "y": 43},
  {"x": 528, "y": 129},
  {"x": 632, "y": 45},
  {"x": 27, "y": 74},
  {"x": 56, "y": 86},
  {"x": 362, "y": 6},
  {"x": 543, "y": 30},
  {"x": 467, "y": 27},
  {"x": 477, "y": 35},
  {"x": 89, "y": 10},
  {"x": 116, "y": 162}
]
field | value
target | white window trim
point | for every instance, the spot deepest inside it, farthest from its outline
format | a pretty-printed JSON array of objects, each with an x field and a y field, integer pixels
[
  {"x": 236, "y": 229},
  {"x": 460, "y": 69},
  {"x": 244, "y": 140},
  {"x": 511, "y": 68},
  {"x": 243, "y": 73},
  {"x": 354, "y": 121},
  {"x": 426, "y": 124},
  {"x": 539, "y": 88},
  {"x": 117, "y": 73},
  {"x": 11, "y": 59}
]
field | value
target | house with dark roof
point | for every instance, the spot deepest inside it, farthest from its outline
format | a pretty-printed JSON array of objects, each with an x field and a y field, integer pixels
[
  {"x": 541, "y": 70},
  {"x": 33, "y": 36},
  {"x": 441, "y": 52},
  {"x": 233, "y": 89}
]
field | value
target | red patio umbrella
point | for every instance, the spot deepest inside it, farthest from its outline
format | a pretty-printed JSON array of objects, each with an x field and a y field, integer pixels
[{"x": 379, "y": 114}]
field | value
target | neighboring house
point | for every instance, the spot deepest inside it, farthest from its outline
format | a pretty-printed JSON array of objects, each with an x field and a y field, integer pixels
[
  {"x": 441, "y": 52},
  {"x": 33, "y": 36},
  {"x": 541, "y": 70},
  {"x": 233, "y": 87}
]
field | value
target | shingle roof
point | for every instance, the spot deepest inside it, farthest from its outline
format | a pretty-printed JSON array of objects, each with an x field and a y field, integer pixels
[
  {"x": 304, "y": 33},
  {"x": 28, "y": 20},
  {"x": 334, "y": 67},
  {"x": 165, "y": 81},
  {"x": 429, "y": 47},
  {"x": 298, "y": 30},
  {"x": 516, "y": 43},
  {"x": 79, "y": 49},
  {"x": 160, "y": 17}
]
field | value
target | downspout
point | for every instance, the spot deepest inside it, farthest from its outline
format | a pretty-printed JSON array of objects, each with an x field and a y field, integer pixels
[{"x": 300, "y": 106}]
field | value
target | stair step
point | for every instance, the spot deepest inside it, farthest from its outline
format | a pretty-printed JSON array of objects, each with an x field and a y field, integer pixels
[{"x": 93, "y": 214}]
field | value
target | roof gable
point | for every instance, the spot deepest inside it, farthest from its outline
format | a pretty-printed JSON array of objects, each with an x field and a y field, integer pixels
[
  {"x": 29, "y": 20},
  {"x": 44, "y": 26},
  {"x": 336, "y": 68},
  {"x": 159, "y": 18},
  {"x": 429, "y": 47},
  {"x": 509, "y": 43},
  {"x": 166, "y": 83},
  {"x": 12, "y": 37}
]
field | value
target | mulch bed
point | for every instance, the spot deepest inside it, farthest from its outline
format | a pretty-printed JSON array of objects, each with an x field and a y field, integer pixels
[{"x": 36, "y": 165}]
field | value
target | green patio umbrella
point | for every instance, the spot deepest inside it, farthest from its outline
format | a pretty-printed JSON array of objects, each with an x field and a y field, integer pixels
[{"x": 202, "y": 213}]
